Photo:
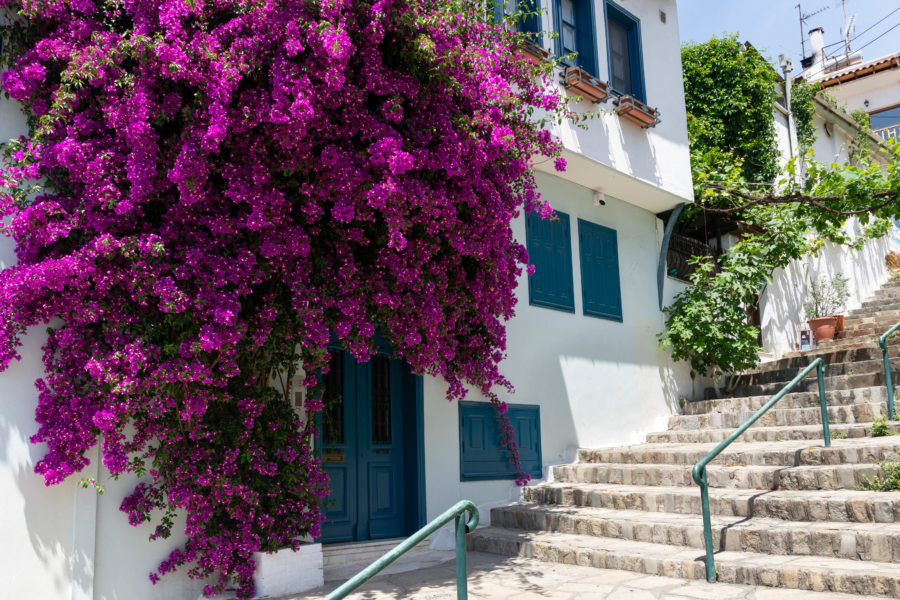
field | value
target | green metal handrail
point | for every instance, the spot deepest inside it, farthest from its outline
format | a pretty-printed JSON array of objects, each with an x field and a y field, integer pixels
[
  {"x": 463, "y": 526},
  {"x": 882, "y": 341},
  {"x": 699, "y": 471}
]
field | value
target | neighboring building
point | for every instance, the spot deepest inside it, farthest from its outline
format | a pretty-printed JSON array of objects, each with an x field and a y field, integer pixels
[
  {"x": 873, "y": 86},
  {"x": 582, "y": 350}
]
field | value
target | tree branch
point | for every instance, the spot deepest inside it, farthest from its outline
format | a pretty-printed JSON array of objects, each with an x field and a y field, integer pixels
[{"x": 817, "y": 201}]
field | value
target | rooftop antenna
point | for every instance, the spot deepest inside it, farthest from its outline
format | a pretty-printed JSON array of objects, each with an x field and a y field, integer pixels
[
  {"x": 849, "y": 30},
  {"x": 803, "y": 19}
]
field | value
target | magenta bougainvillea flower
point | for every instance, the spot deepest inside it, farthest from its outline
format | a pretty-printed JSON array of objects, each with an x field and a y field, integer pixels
[{"x": 211, "y": 191}]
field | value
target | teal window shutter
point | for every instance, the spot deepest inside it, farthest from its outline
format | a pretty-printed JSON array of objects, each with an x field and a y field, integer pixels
[
  {"x": 626, "y": 65},
  {"x": 481, "y": 455},
  {"x": 531, "y": 22},
  {"x": 549, "y": 245},
  {"x": 600, "y": 288}
]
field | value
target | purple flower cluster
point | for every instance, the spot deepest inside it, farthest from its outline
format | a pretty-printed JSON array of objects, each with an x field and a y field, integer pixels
[{"x": 225, "y": 185}]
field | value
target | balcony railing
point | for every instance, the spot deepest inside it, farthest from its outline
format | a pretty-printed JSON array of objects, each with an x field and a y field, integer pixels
[
  {"x": 681, "y": 248},
  {"x": 887, "y": 133}
]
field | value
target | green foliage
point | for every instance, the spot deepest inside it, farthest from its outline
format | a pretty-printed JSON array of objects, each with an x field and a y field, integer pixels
[
  {"x": 803, "y": 109},
  {"x": 827, "y": 297},
  {"x": 888, "y": 481},
  {"x": 880, "y": 428},
  {"x": 841, "y": 435},
  {"x": 707, "y": 322},
  {"x": 729, "y": 88},
  {"x": 862, "y": 147}
]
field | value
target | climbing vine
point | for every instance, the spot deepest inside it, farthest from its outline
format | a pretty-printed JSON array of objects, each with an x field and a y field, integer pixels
[
  {"x": 785, "y": 214},
  {"x": 211, "y": 193}
]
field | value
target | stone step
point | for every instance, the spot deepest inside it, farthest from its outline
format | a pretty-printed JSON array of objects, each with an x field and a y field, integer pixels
[
  {"x": 792, "y": 505},
  {"x": 781, "y": 454},
  {"x": 853, "y": 413},
  {"x": 851, "y": 541},
  {"x": 833, "y": 356},
  {"x": 786, "y": 375},
  {"x": 798, "y": 572},
  {"x": 811, "y": 384},
  {"x": 792, "y": 400},
  {"x": 883, "y": 315},
  {"x": 769, "y": 434},
  {"x": 731, "y": 476},
  {"x": 826, "y": 348},
  {"x": 875, "y": 306}
]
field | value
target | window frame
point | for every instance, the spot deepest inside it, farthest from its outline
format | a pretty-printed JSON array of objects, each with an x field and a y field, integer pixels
[
  {"x": 585, "y": 27},
  {"x": 632, "y": 25},
  {"x": 531, "y": 220}
]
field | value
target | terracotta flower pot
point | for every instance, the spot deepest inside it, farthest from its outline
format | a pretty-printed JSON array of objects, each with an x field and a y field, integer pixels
[{"x": 823, "y": 327}]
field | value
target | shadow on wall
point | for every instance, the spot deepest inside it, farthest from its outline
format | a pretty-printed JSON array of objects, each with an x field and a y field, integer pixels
[
  {"x": 782, "y": 304},
  {"x": 32, "y": 510}
]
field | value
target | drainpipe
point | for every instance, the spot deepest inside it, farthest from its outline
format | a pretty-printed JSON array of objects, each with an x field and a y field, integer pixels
[{"x": 787, "y": 65}]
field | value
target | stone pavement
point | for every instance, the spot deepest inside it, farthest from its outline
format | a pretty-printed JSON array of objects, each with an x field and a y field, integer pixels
[{"x": 493, "y": 577}]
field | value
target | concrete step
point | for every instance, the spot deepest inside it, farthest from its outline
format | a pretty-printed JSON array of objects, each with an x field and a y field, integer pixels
[
  {"x": 792, "y": 400},
  {"x": 781, "y": 454},
  {"x": 792, "y": 505},
  {"x": 829, "y": 347},
  {"x": 853, "y": 413},
  {"x": 882, "y": 315},
  {"x": 798, "y": 572},
  {"x": 731, "y": 476},
  {"x": 851, "y": 541},
  {"x": 769, "y": 434}
]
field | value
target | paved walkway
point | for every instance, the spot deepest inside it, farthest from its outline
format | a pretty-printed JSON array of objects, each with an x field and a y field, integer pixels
[{"x": 493, "y": 577}]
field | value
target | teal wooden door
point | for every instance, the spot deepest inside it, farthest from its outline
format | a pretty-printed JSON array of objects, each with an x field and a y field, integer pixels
[{"x": 361, "y": 439}]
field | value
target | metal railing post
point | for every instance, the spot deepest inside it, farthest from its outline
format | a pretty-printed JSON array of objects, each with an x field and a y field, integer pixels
[
  {"x": 463, "y": 526},
  {"x": 462, "y": 591},
  {"x": 820, "y": 375},
  {"x": 707, "y": 527},
  {"x": 882, "y": 341},
  {"x": 699, "y": 474}
]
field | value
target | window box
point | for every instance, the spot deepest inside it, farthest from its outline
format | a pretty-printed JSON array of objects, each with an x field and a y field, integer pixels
[
  {"x": 577, "y": 79},
  {"x": 533, "y": 53},
  {"x": 637, "y": 112}
]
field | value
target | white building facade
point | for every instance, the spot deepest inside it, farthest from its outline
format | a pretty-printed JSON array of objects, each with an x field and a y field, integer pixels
[{"x": 582, "y": 350}]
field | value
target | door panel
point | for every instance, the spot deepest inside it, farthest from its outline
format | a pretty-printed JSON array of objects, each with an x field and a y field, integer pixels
[{"x": 366, "y": 464}]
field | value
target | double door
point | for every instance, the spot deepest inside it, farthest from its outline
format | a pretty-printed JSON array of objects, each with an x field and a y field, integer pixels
[{"x": 362, "y": 443}]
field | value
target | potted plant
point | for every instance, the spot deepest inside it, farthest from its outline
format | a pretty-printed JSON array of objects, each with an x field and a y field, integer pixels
[{"x": 827, "y": 298}]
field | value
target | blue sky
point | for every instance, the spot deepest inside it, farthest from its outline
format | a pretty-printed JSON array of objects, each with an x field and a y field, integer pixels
[{"x": 773, "y": 25}]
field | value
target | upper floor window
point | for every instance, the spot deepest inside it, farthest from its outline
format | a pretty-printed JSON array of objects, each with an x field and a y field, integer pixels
[
  {"x": 623, "y": 34},
  {"x": 574, "y": 23},
  {"x": 528, "y": 15}
]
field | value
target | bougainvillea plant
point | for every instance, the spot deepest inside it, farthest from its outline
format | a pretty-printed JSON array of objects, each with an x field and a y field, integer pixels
[{"x": 211, "y": 191}]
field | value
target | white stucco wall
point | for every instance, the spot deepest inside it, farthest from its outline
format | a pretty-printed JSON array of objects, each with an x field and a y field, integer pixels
[
  {"x": 782, "y": 303},
  {"x": 658, "y": 155},
  {"x": 65, "y": 542},
  {"x": 598, "y": 382},
  {"x": 882, "y": 90}
]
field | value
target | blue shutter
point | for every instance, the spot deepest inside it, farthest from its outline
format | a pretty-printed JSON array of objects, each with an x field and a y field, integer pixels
[
  {"x": 549, "y": 245},
  {"x": 481, "y": 455},
  {"x": 498, "y": 11},
  {"x": 601, "y": 292},
  {"x": 585, "y": 38}
]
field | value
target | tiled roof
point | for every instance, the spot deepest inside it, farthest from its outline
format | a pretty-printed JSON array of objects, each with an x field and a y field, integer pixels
[{"x": 891, "y": 61}]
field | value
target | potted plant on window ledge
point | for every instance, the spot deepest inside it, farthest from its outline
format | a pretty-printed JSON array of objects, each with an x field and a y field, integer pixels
[
  {"x": 576, "y": 79},
  {"x": 827, "y": 298},
  {"x": 637, "y": 112}
]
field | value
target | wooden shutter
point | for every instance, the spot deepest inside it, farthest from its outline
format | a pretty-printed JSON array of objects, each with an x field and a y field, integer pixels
[
  {"x": 481, "y": 454},
  {"x": 600, "y": 288},
  {"x": 549, "y": 245}
]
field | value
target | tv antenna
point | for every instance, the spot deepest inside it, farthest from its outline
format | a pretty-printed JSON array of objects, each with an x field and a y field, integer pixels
[{"x": 803, "y": 19}]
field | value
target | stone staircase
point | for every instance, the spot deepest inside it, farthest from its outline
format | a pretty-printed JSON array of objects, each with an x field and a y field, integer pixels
[{"x": 785, "y": 509}]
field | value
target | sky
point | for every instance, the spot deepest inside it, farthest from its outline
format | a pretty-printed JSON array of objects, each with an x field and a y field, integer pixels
[{"x": 773, "y": 26}]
